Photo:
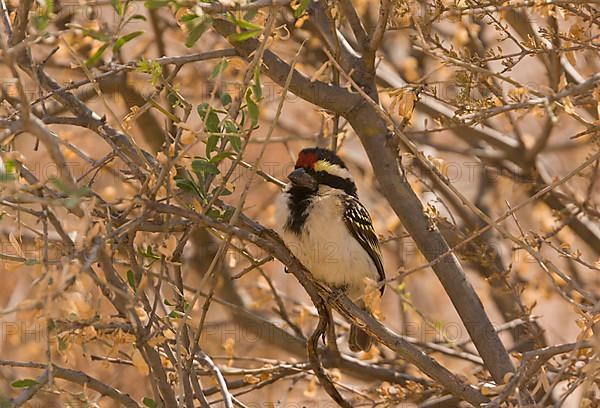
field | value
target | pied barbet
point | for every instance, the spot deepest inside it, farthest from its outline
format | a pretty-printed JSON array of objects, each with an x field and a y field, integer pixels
[{"x": 323, "y": 223}]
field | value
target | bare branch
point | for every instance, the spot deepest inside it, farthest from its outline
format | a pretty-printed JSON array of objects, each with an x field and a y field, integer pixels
[{"x": 362, "y": 39}]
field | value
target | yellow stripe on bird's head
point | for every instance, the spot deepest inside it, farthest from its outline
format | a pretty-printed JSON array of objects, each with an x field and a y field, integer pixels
[
  {"x": 332, "y": 168},
  {"x": 317, "y": 166}
]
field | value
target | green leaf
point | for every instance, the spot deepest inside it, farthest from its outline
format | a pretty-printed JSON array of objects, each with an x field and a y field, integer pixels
[
  {"x": 150, "y": 253},
  {"x": 154, "y": 4},
  {"x": 185, "y": 184},
  {"x": 219, "y": 157},
  {"x": 63, "y": 343},
  {"x": 10, "y": 166},
  {"x": 301, "y": 8},
  {"x": 252, "y": 109},
  {"x": 256, "y": 87},
  {"x": 40, "y": 22},
  {"x": 174, "y": 100},
  {"x": 189, "y": 186},
  {"x": 96, "y": 35},
  {"x": 91, "y": 61},
  {"x": 247, "y": 25},
  {"x": 211, "y": 144},
  {"x": 219, "y": 68},
  {"x": 121, "y": 41},
  {"x": 117, "y": 6},
  {"x": 202, "y": 109},
  {"x": 230, "y": 126},
  {"x": 204, "y": 23},
  {"x": 202, "y": 167},
  {"x": 213, "y": 213},
  {"x": 236, "y": 143},
  {"x": 188, "y": 20},
  {"x": 149, "y": 402},
  {"x": 211, "y": 122},
  {"x": 41, "y": 19},
  {"x": 226, "y": 99},
  {"x": 175, "y": 314},
  {"x": 24, "y": 383},
  {"x": 131, "y": 280},
  {"x": 222, "y": 192},
  {"x": 244, "y": 35},
  {"x": 47, "y": 6},
  {"x": 250, "y": 14},
  {"x": 228, "y": 214},
  {"x": 150, "y": 67},
  {"x": 8, "y": 171}
]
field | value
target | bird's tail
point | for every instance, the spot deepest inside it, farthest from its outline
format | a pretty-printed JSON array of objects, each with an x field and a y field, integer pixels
[{"x": 359, "y": 340}]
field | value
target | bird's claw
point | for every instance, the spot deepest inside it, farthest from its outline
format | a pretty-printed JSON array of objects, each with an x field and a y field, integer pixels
[{"x": 336, "y": 292}]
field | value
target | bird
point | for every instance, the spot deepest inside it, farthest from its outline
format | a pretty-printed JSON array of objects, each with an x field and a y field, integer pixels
[{"x": 323, "y": 223}]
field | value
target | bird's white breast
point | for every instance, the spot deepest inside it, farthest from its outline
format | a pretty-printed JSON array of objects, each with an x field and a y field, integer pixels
[{"x": 325, "y": 246}]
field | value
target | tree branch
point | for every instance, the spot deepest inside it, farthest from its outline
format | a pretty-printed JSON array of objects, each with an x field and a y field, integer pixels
[
  {"x": 380, "y": 147},
  {"x": 81, "y": 378},
  {"x": 269, "y": 241}
]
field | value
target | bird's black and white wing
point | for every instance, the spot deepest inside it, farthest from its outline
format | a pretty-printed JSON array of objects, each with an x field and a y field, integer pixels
[{"x": 359, "y": 223}]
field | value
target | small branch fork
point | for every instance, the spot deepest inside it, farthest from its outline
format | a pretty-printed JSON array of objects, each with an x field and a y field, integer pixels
[{"x": 313, "y": 354}]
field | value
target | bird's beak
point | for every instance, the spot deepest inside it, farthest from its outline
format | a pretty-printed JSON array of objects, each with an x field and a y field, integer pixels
[{"x": 301, "y": 178}]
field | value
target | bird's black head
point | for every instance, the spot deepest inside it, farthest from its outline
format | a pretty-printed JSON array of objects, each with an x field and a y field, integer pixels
[{"x": 317, "y": 166}]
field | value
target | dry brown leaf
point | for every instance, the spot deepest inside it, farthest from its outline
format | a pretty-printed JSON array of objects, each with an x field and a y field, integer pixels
[
  {"x": 577, "y": 32},
  {"x": 109, "y": 193},
  {"x": 251, "y": 379},
  {"x": 14, "y": 242},
  {"x": 569, "y": 107},
  {"x": 188, "y": 137},
  {"x": 570, "y": 54},
  {"x": 162, "y": 158},
  {"x": 311, "y": 388},
  {"x": 517, "y": 94},
  {"x": 372, "y": 298},
  {"x": 168, "y": 246},
  {"x": 406, "y": 104},
  {"x": 228, "y": 346}
]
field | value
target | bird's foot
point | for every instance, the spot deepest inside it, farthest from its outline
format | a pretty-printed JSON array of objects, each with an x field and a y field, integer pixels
[{"x": 336, "y": 292}]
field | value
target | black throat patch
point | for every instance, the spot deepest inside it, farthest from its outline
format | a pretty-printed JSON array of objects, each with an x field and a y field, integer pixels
[
  {"x": 300, "y": 198},
  {"x": 298, "y": 202}
]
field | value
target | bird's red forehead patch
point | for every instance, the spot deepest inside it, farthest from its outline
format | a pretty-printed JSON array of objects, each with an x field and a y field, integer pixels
[{"x": 306, "y": 160}]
